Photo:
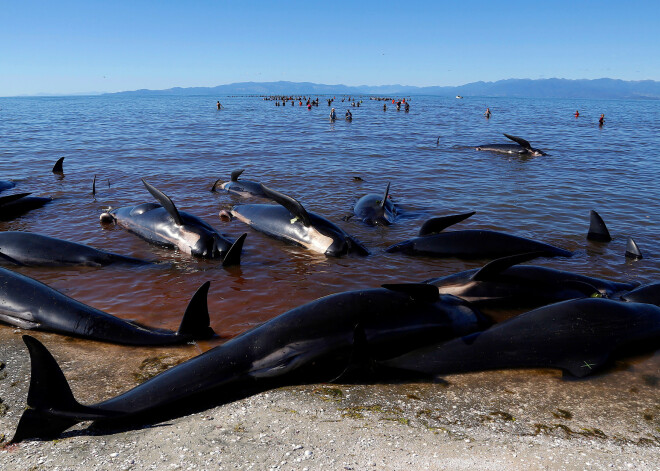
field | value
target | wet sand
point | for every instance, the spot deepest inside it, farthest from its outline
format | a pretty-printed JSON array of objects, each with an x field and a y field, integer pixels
[{"x": 527, "y": 419}]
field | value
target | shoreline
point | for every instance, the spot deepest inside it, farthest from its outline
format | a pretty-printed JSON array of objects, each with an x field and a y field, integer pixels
[{"x": 523, "y": 419}]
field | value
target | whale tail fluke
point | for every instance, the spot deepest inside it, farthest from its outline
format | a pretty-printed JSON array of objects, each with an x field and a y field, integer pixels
[
  {"x": 632, "y": 250},
  {"x": 597, "y": 228},
  {"x": 196, "y": 322},
  {"x": 435, "y": 225},
  {"x": 52, "y": 407},
  {"x": 233, "y": 255}
]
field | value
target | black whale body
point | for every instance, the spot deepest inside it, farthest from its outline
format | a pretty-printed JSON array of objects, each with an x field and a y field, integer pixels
[
  {"x": 290, "y": 222},
  {"x": 319, "y": 341},
  {"x": 30, "y": 304},
  {"x": 579, "y": 336},
  {"x": 162, "y": 224},
  {"x": 28, "y": 248},
  {"x": 244, "y": 188},
  {"x": 503, "y": 283},
  {"x": 472, "y": 243},
  {"x": 6, "y": 185},
  {"x": 522, "y": 147},
  {"x": 376, "y": 210},
  {"x": 13, "y": 206}
]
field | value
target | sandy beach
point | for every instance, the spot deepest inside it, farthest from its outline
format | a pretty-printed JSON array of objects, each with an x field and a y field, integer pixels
[{"x": 527, "y": 419}]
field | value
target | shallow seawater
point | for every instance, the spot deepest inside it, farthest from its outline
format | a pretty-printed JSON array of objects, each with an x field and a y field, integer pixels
[{"x": 182, "y": 145}]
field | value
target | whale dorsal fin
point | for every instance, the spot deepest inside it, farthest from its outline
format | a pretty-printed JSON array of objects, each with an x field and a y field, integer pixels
[
  {"x": 236, "y": 173},
  {"x": 94, "y": 186},
  {"x": 597, "y": 228},
  {"x": 11, "y": 198},
  {"x": 632, "y": 250},
  {"x": 233, "y": 255},
  {"x": 488, "y": 271},
  {"x": 435, "y": 225},
  {"x": 166, "y": 202},
  {"x": 417, "y": 291},
  {"x": 289, "y": 203},
  {"x": 387, "y": 193},
  {"x": 519, "y": 140},
  {"x": 58, "y": 167},
  {"x": 196, "y": 320}
]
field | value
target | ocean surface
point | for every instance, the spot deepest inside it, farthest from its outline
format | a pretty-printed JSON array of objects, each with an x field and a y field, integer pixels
[{"x": 181, "y": 145}]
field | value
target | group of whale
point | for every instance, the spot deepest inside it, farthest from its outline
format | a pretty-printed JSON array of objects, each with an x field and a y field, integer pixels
[{"x": 577, "y": 323}]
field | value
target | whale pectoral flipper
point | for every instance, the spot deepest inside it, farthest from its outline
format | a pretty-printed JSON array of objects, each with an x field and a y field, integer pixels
[
  {"x": 9, "y": 259},
  {"x": 53, "y": 408},
  {"x": 196, "y": 322},
  {"x": 215, "y": 185},
  {"x": 165, "y": 202},
  {"x": 586, "y": 365},
  {"x": 11, "y": 198},
  {"x": 236, "y": 173},
  {"x": 233, "y": 255},
  {"x": 520, "y": 141},
  {"x": 420, "y": 292},
  {"x": 289, "y": 203},
  {"x": 435, "y": 225},
  {"x": 494, "y": 268},
  {"x": 387, "y": 193}
]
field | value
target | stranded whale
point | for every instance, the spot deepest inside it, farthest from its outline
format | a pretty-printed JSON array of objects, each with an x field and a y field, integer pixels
[
  {"x": 244, "y": 188},
  {"x": 290, "y": 222},
  {"x": 376, "y": 210},
  {"x": 321, "y": 341},
  {"x": 13, "y": 206},
  {"x": 522, "y": 147},
  {"x": 162, "y": 224},
  {"x": 30, "y": 304}
]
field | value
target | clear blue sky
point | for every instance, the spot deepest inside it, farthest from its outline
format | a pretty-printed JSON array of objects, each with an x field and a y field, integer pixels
[{"x": 93, "y": 46}]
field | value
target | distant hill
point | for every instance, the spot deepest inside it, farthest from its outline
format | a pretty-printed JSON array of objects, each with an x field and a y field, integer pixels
[{"x": 541, "y": 88}]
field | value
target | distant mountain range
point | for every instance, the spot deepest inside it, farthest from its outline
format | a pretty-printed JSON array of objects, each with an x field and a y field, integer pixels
[{"x": 541, "y": 88}]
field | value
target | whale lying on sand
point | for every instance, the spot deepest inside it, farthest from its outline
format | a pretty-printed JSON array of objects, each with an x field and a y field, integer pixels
[
  {"x": 28, "y": 248},
  {"x": 580, "y": 337},
  {"x": 30, "y": 304},
  {"x": 469, "y": 243},
  {"x": 324, "y": 340},
  {"x": 522, "y": 147},
  {"x": 290, "y": 222},
  {"x": 162, "y": 224},
  {"x": 503, "y": 283}
]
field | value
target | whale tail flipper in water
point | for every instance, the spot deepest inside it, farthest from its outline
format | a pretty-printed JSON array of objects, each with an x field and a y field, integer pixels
[
  {"x": 165, "y": 202},
  {"x": 52, "y": 407},
  {"x": 435, "y": 225},
  {"x": 196, "y": 322},
  {"x": 597, "y": 228},
  {"x": 233, "y": 255}
]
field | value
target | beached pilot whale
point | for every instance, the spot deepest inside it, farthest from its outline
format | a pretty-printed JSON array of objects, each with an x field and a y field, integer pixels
[
  {"x": 6, "y": 185},
  {"x": 475, "y": 243},
  {"x": 331, "y": 337},
  {"x": 503, "y": 283},
  {"x": 376, "y": 210},
  {"x": 244, "y": 188},
  {"x": 290, "y": 222},
  {"x": 28, "y": 248},
  {"x": 13, "y": 206},
  {"x": 30, "y": 304},
  {"x": 522, "y": 147},
  {"x": 162, "y": 224},
  {"x": 579, "y": 336}
]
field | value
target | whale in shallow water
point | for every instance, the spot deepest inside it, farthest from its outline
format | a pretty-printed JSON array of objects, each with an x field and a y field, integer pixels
[
  {"x": 30, "y": 304},
  {"x": 467, "y": 244},
  {"x": 13, "y": 206},
  {"x": 503, "y": 283},
  {"x": 244, "y": 188},
  {"x": 332, "y": 337},
  {"x": 290, "y": 222},
  {"x": 376, "y": 210},
  {"x": 28, "y": 248},
  {"x": 649, "y": 294},
  {"x": 162, "y": 224},
  {"x": 579, "y": 336},
  {"x": 6, "y": 185},
  {"x": 522, "y": 147}
]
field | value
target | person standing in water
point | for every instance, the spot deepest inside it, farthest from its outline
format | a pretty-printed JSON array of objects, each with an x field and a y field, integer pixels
[
  {"x": 601, "y": 120},
  {"x": 487, "y": 113},
  {"x": 577, "y": 114},
  {"x": 219, "y": 105},
  {"x": 333, "y": 115}
]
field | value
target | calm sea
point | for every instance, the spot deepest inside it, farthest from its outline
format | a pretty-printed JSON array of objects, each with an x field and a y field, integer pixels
[{"x": 183, "y": 144}]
